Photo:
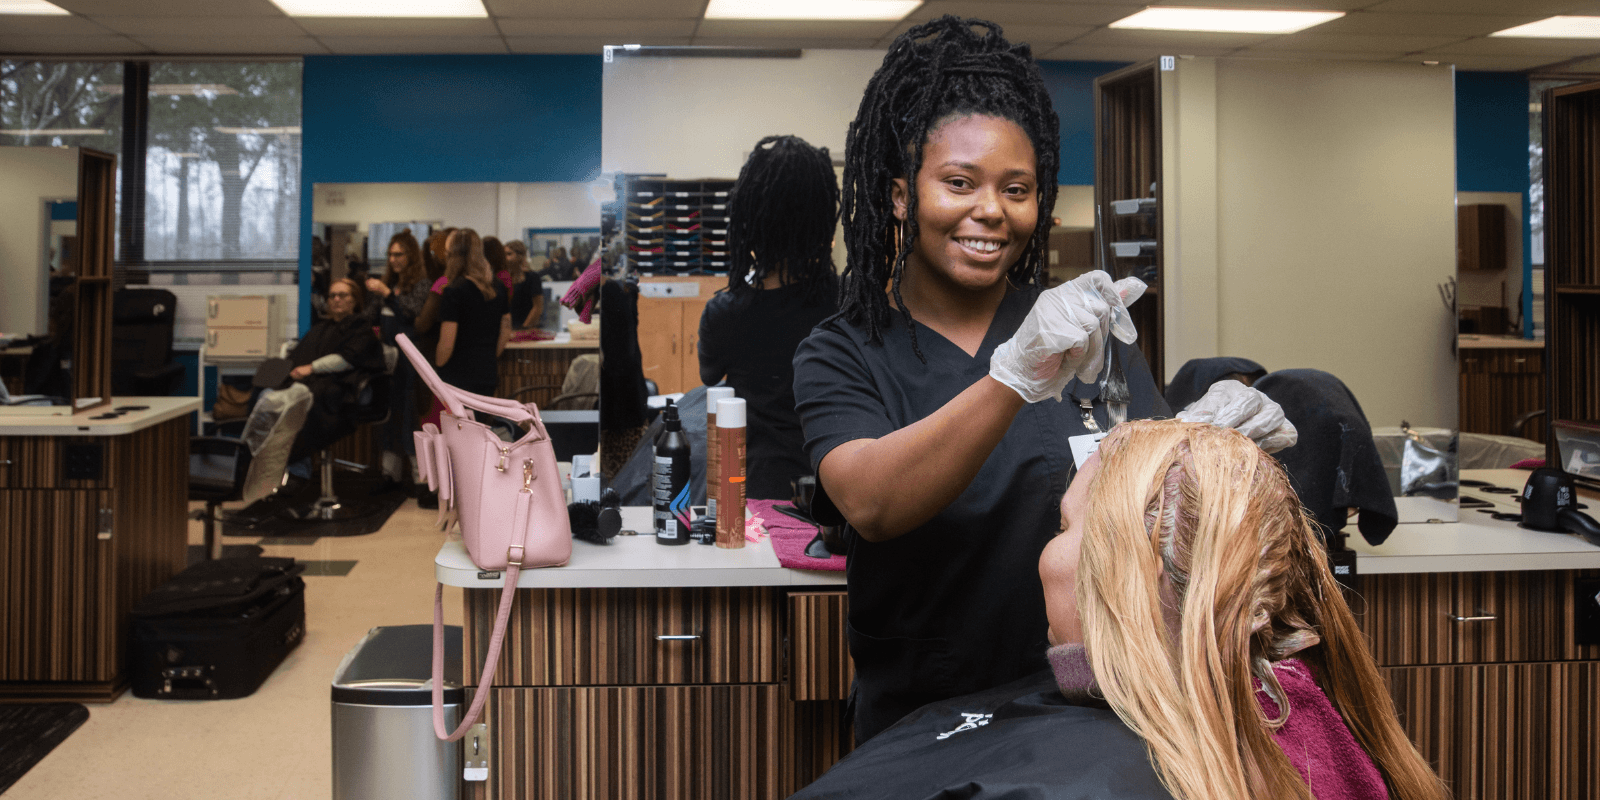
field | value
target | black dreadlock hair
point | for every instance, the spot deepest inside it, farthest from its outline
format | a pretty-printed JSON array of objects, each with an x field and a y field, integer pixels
[
  {"x": 950, "y": 67},
  {"x": 782, "y": 215}
]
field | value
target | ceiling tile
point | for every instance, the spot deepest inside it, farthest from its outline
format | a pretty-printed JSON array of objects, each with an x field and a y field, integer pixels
[
  {"x": 1586, "y": 65},
  {"x": 582, "y": 44},
  {"x": 1487, "y": 63},
  {"x": 1551, "y": 49},
  {"x": 172, "y": 8},
  {"x": 349, "y": 26},
  {"x": 1036, "y": 13},
  {"x": 1041, "y": 37},
  {"x": 252, "y": 45},
  {"x": 1170, "y": 42},
  {"x": 202, "y": 26},
  {"x": 1353, "y": 43},
  {"x": 613, "y": 29},
  {"x": 801, "y": 43},
  {"x": 1541, "y": 8},
  {"x": 597, "y": 9},
  {"x": 97, "y": 45},
  {"x": 1076, "y": 52},
  {"x": 1290, "y": 5},
  {"x": 796, "y": 29},
  {"x": 41, "y": 25},
  {"x": 1309, "y": 55},
  {"x": 356, "y": 45},
  {"x": 1424, "y": 24}
]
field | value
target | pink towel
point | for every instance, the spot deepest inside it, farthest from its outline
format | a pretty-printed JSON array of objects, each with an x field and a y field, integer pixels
[
  {"x": 1317, "y": 741},
  {"x": 586, "y": 282},
  {"x": 790, "y": 537}
]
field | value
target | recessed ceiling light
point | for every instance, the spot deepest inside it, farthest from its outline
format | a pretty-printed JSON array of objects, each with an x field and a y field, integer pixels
[
  {"x": 382, "y": 8},
  {"x": 859, "y": 10},
  {"x": 1557, "y": 28},
  {"x": 1225, "y": 20},
  {"x": 31, "y": 7},
  {"x": 55, "y": 132}
]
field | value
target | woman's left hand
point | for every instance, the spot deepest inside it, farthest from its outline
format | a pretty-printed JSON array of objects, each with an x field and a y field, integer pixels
[{"x": 301, "y": 372}]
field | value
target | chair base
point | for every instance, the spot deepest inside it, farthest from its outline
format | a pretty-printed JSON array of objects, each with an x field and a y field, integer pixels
[{"x": 329, "y": 506}]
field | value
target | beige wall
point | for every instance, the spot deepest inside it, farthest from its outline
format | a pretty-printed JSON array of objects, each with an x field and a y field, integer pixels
[
  {"x": 33, "y": 175},
  {"x": 1312, "y": 215}
]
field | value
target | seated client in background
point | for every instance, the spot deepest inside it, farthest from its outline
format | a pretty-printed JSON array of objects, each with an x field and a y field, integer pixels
[
  {"x": 1190, "y": 590},
  {"x": 780, "y": 285}
]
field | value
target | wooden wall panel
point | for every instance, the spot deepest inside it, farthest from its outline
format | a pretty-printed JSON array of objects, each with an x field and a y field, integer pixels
[
  {"x": 151, "y": 468},
  {"x": 1408, "y": 617},
  {"x": 58, "y": 590},
  {"x": 820, "y": 667},
  {"x": 1497, "y": 386},
  {"x": 590, "y": 637},
  {"x": 34, "y": 462},
  {"x": 648, "y": 743},
  {"x": 542, "y": 369},
  {"x": 1505, "y": 730}
]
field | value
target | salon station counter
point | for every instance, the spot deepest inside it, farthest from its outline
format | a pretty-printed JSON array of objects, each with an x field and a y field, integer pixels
[
  {"x": 533, "y": 371},
  {"x": 684, "y": 669},
  {"x": 93, "y": 514}
]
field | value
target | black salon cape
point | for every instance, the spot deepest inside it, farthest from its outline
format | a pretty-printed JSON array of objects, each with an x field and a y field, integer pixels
[
  {"x": 1335, "y": 465},
  {"x": 351, "y": 338},
  {"x": 1196, "y": 375},
  {"x": 1030, "y": 744},
  {"x": 751, "y": 337},
  {"x": 954, "y": 606}
]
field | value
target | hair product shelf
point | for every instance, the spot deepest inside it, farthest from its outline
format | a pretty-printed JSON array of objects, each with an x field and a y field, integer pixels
[{"x": 677, "y": 226}]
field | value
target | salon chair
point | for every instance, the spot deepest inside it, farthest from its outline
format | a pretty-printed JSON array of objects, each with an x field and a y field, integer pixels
[
  {"x": 142, "y": 321},
  {"x": 371, "y": 406},
  {"x": 217, "y": 469}
]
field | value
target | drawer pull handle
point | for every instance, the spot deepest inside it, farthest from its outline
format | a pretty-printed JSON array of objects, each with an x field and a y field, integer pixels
[
  {"x": 677, "y": 637},
  {"x": 5, "y": 462},
  {"x": 1480, "y": 618}
]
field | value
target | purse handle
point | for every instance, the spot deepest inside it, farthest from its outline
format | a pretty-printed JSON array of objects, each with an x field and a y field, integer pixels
[{"x": 457, "y": 401}]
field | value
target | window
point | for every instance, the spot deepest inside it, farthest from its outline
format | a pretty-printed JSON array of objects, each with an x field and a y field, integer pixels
[
  {"x": 61, "y": 103},
  {"x": 222, "y": 169}
]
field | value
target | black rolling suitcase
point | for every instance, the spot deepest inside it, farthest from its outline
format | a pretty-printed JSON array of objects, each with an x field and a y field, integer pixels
[{"x": 217, "y": 629}]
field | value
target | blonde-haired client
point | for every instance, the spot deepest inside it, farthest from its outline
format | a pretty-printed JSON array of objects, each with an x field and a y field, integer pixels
[{"x": 1191, "y": 593}]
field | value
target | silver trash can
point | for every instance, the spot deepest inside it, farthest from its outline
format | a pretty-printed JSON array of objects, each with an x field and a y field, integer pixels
[{"x": 384, "y": 747}]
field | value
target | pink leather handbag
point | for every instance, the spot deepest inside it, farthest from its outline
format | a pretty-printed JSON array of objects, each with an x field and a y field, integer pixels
[{"x": 507, "y": 497}]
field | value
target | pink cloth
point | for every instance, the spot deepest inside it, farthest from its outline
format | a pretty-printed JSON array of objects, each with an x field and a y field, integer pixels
[
  {"x": 1316, "y": 740},
  {"x": 587, "y": 281},
  {"x": 438, "y": 285},
  {"x": 790, "y": 537},
  {"x": 1528, "y": 463},
  {"x": 505, "y": 278},
  {"x": 532, "y": 335}
]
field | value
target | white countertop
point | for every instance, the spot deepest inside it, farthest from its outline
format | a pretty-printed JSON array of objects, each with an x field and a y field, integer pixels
[
  {"x": 1479, "y": 341},
  {"x": 637, "y": 561},
  {"x": 563, "y": 341},
  {"x": 1476, "y": 543},
  {"x": 160, "y": 410}
]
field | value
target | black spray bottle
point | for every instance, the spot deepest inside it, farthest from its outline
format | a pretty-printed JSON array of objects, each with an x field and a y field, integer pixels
[{"x": 670, "y": 481}]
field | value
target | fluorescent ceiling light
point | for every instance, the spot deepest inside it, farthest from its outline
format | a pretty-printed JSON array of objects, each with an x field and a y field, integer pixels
[
  {"x": 1225, "y": 20},
  {"x": 55, "y": 132},
  {"x": 292, "y": 129},
  {"x": 382, "y": 8},
  {"x": 174, "y": 89},
  {"x": 31, "y": 7},
  {"x": 853, "y": 10},
  {"x": 1557, "y": 28}
]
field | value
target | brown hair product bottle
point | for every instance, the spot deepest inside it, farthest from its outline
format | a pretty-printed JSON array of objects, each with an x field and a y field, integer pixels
[
  {"x": 713, "y": 454},
  {"x": 730, "y": 521}
]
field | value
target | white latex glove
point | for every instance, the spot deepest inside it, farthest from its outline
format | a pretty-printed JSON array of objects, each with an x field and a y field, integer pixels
[
  {"x": 1064, "y": 335},
  {"x": 1231, "y": 404}
]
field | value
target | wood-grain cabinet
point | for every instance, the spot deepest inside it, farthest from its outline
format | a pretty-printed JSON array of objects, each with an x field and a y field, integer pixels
[
  {"x": 664, "y": 693},
  {"x": 669, "y": 328},
  {"x": 1499, "y": 384}
]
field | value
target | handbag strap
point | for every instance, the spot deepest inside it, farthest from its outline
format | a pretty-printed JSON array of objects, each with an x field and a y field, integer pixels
[
  {"x": 457, "y": 400},
  {"x": 521, "y": 522}
]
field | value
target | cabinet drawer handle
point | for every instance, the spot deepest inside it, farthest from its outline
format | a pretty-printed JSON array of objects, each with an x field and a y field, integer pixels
[
  {"x": 1480, "y": 618},
  {"x": 677, "y": 637},
  {"x": 5, "y": 462}
]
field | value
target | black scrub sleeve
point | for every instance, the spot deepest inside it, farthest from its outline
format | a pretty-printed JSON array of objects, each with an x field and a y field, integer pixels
[
  {"x": 712, "y": 341},
  {"x": 835, "y": 394}
]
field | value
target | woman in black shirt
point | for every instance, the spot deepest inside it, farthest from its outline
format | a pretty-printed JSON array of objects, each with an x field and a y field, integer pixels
[
  {"x": 781, "y": 284},
  {"x": 475, "y": 318}
]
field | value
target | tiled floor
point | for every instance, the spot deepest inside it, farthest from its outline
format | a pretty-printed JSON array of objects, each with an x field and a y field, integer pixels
[{"x": 273, "y": 745}]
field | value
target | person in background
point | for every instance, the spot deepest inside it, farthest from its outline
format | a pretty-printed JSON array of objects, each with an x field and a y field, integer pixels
[
  {"x": 1191, "y": 592},
  {"x": 403, "y": 291},
  {"x": 781, "y": 285},
  {"x": 495, "y": 253},
  {"x": 559, "y": 268},
  {"x": 474, "y": 318},
  {"x": 527, "y": 290}
]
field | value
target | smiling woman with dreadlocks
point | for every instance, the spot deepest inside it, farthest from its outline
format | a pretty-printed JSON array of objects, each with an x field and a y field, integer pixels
[
  {"x": 921, "y": 401},
  {"x": 781, "y": 284}
]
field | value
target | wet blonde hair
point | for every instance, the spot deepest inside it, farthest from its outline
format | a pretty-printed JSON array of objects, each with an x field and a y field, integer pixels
[{"x": 1198, "y": 569}]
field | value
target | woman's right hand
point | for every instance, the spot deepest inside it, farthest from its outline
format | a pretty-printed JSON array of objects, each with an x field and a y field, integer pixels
[
  {"x": 1064, "y": 335},
  {"x": 377, "y": 287}
]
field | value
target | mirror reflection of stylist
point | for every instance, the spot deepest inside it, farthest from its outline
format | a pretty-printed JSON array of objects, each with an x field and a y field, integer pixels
[
  {"x": 929, "y": 403},
  {"x": 781, "y": 284}
]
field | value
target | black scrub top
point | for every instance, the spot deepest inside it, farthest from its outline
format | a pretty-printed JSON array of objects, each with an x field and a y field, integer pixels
[{"x": 954, "y": 606}]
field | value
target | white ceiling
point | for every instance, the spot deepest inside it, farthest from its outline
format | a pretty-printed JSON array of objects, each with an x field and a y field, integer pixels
[{"x": 1450, "y": 31}]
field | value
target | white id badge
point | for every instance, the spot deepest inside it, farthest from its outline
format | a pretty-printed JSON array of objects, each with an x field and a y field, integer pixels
[{"x": 1084, "y": 446}]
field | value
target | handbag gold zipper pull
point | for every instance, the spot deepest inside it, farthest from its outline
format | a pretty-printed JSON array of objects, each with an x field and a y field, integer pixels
[
  {"x": 505, "y": 452},
  {"x": 527, "y": 475}
]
